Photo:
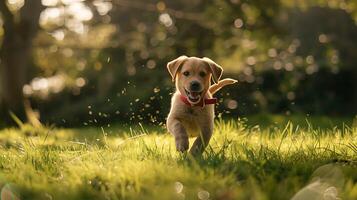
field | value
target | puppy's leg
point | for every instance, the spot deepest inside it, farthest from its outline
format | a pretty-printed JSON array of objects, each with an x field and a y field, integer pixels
[
  {"x": 178, "y": 131},
  {"x": 202, "y": 141}
]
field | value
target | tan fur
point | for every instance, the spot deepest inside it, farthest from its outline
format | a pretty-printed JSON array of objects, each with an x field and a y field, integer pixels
[{"x": 184, "y": 121}]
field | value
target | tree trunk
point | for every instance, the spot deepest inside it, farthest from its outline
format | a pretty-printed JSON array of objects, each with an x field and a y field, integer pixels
[
  {"x": 14, "y": 62},
  {"x": 15, "y": 54}
]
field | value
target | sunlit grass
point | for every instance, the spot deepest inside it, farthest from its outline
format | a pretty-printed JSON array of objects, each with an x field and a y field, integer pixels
[{"x": 242, "y": 162}]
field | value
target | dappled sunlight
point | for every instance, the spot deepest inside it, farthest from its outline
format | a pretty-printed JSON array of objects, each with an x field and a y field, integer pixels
[
  {"x": 43, "y": 87},
  {"x": 71, "y": 14}
]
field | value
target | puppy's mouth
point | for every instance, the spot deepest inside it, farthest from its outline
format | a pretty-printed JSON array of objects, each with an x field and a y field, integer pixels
[{"x": 193, "y": 97}]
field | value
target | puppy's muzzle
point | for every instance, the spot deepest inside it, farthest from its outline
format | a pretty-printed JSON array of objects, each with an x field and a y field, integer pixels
[{"x": 194, "y": 92}]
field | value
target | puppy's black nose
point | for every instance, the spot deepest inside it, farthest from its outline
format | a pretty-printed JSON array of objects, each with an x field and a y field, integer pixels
[{"x": 195, "y": 86}]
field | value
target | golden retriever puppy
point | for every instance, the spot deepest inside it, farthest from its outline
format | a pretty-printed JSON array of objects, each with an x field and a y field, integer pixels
[{"x": 192, "y": 105}]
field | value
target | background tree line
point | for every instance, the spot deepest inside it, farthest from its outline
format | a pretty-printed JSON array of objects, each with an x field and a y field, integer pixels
[{"x": 75, "y": 62}]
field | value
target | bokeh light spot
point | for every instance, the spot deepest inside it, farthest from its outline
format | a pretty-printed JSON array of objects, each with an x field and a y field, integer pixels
[{"x": 238, "y": 23}]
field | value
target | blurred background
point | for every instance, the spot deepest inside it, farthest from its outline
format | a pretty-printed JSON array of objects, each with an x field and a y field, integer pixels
[{"x": 82, "y": 63}]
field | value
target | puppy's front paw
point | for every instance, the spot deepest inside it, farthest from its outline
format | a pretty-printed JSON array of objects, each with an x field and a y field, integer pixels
[
  {"x": 181, "y": 144},
  {"x": 195, "y": 151}
]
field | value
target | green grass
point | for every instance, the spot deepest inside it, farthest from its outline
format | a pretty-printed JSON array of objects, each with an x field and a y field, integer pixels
[{"x": 244, "y": 161}]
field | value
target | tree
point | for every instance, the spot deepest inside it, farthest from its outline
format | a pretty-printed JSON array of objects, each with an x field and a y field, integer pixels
[{"x": 15, "y": 53}]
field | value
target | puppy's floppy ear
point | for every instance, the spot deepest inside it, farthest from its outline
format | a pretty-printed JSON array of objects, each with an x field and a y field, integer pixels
[
  {"x": 174, "y": 65},
  {"x": 215, "y": 69}
]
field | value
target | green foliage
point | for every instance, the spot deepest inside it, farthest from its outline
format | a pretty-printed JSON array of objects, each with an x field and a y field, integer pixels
[
  {"x": 243, "y": 161},
  {"x": 289, "y": 56}
]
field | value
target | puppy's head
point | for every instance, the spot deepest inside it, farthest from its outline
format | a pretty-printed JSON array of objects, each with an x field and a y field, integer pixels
[{"x": 193, "y": 76}]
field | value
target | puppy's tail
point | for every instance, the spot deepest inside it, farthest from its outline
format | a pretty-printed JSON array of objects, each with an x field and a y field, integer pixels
[{"x": 227, "y": 81}]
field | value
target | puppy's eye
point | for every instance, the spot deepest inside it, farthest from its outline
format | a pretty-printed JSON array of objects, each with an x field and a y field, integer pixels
[
  {"x": 186, "y": 73},
  {"x": 202, "y": 74}
]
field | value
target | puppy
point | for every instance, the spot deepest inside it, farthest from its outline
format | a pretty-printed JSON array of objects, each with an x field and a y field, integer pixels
[{"x": 192, "y": 105}]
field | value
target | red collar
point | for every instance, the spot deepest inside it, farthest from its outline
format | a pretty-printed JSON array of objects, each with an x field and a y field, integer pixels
[{"x": 202, "y": 103}]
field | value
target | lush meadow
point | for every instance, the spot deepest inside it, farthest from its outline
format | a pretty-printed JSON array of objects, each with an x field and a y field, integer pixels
[{"x": 244, "y": 161}]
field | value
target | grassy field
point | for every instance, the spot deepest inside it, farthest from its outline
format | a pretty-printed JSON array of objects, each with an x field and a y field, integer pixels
[{"x": 276, "y": 160}]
